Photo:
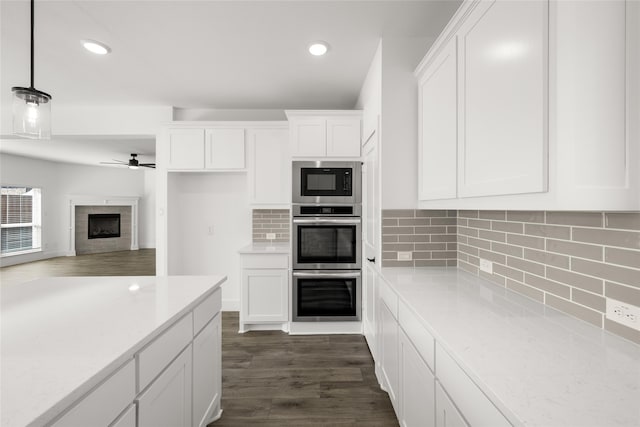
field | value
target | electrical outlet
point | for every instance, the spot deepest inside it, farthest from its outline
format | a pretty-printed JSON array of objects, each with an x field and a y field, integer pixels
[
  {"x": 486, "y": 266},
  {"x": 405, "y": 256},
  {"x": 623, "y": 313},
  {"x": 271, "y": 236}
]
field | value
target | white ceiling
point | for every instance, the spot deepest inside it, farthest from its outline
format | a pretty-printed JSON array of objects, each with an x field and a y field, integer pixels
[{"x": 207, "y": 54}]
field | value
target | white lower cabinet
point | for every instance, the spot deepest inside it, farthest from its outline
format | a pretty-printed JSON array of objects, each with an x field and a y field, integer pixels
[
  {"x": 103, "y": 404},
  {"x": 167, "y": 401},
  {"x": 264, "y": 299},
  {"x": 416, "y": 389},
  {"x": 369, "y": 296},
  {"x": 425, "y": 384},
  {"x": 127, "y": 418},
  {"x": 476, "y": 407},
  {"x": 447, "y": 415},
  {"x": 178, "y": 377},
  {"x": 207, "y": 381},
  {"x": 388, "y": 342}
]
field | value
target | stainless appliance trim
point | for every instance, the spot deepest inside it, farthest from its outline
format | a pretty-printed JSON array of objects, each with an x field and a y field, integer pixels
[
  {"x": 296, "y": 208},
  {"x": 322, "y": 274},
  {"x": 324, "y": 220},
  {"x": 356, "y": 183},
  {"x": 352, "y": 274}
]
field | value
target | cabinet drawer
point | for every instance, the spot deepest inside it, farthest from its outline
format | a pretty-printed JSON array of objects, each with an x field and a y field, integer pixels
[
  {"x": 475, "y": 406},
  {"x": 417, "y": 333},
  {"x": 102, "y": 405},
  {"x": 389, "y": 297},
  {"x": 265, "y": 261},
  {"x": 157, "y": 355},
  {"x": 206, "y": 310}
]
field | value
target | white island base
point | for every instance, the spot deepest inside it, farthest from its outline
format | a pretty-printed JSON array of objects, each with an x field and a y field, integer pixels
[{"x": 111, "y": 351}]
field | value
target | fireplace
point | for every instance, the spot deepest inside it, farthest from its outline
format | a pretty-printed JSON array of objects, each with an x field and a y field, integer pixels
[{"x": 103, "y": 226}]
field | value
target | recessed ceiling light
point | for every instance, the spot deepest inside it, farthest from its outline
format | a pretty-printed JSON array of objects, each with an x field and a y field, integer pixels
[
  {"x": 96, "y": 47},
  {"x": 318, "y": 48}
]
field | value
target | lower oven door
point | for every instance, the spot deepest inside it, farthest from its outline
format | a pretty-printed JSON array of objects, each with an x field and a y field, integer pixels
[{"x": 320, "y": 295}]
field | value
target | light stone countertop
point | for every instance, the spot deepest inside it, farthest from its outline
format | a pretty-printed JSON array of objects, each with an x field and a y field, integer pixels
[
  {"x": 61, "y": 336},
  {"x": 539, "y": 366},
  {"x": 266, "y": 248}
]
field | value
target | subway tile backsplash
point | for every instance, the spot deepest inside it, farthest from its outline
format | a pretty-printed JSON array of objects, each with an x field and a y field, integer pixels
[
  {"x": 429, "y": 235},
  {"x": 571, "y": 261},
  {"x": 276, "y": 221}
]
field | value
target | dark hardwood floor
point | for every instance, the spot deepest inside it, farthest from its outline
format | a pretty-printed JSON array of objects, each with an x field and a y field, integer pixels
[
  {"x": 275, "y": 379},
  {"x": 122, "y": 263}
]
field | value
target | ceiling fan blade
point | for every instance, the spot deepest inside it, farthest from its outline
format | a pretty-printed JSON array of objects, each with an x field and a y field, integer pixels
[
  {"x": 148, "y": 165},
  {"x": 113, "y": 163}
]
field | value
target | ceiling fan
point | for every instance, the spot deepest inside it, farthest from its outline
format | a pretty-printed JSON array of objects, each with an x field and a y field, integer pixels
[{"x": 133, "y": 163}]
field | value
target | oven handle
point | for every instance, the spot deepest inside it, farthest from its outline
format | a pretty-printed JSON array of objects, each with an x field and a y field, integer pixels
[
  {"x": 326, "y": 220},
  {"x": 320, "y": 274}
]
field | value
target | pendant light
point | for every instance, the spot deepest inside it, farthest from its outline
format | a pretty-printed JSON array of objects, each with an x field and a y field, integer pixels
[{"x": 31, "y": 107}]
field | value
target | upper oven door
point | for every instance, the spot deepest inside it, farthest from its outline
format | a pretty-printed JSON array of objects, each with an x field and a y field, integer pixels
[
  {"x": 327, "y": 243},
  {"x": 326, "y": 182}
]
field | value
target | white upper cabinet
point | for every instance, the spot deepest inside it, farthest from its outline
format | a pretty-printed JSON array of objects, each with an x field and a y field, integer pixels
[
  {"x": 185, "y": 149},
  {"x": 343, "y": 137},
  {"x": 224, "y": 149},
  {"x": 503, "y": 99},
  {"x": 548, "y": 107},
  {"x": 438, "y": 136},
  {"x": 269, "y": 166},
  {"x": 308, "y": 137},
  {"x": 325, "y": 133}
]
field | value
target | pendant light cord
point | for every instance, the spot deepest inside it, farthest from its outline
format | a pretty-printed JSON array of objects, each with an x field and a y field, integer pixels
[{"x": 32, "y": 1}]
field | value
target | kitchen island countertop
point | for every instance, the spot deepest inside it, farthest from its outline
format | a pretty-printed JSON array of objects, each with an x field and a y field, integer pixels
[{"x": 61, "y": 336}]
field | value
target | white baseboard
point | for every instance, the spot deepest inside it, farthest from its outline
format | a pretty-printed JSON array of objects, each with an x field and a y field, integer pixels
[{"x": 34, "y": 256}]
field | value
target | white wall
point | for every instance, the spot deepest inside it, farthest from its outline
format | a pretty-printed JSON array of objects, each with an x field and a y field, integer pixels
[
  {"x": 399, "y": 148},
  {"x": 209, "y": 220},
  {"x": 60, "y": 180},
  {"x": 370, "y": 98},
  {"x": 391, "y": 91},
  {"x": 147, "y": 211}
]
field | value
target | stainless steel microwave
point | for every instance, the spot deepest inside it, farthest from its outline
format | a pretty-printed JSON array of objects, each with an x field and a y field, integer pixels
[{"x": 321, "y": 182}]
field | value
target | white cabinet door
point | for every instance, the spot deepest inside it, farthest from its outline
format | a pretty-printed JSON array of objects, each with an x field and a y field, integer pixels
[
  {"x": 224, "y": 149},
  {"x": 185, "y": 149},
  {"x": 167, "y": 401},
  {"x": 438, "y": 143},
  {"x": 416, "y": 390},
  {"x": 369, "y": 308},
  {"x": 388, "y": 350},
  {"x": 503, "y": 105},
  {"x": 127, "y": 419},
  {"x": 265, "y": 295},
  {"x": 308, "y": 137},
  {"x": 206, "y": 372},
  {"x": 447, "y": 415},
  {"x": 343, "y": 137},
  {"x": 269, "y": 166}
]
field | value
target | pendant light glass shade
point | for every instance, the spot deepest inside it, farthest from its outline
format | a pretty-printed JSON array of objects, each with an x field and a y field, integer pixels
[
  {"x": 31, "y": 113},
  {"x": 31, "y": 107}
]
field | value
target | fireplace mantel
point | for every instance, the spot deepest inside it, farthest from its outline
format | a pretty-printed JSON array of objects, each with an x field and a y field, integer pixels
[{"x": 102, "y": 201}]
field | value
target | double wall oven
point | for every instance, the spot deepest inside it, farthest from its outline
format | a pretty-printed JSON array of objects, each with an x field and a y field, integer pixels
[{"x": 327, "y": 241}]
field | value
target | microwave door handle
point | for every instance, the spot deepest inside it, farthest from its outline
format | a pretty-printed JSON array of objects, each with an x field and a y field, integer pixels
[
  {"x": 318, "y": 275},
  {"x": 326, "y": 221}
]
